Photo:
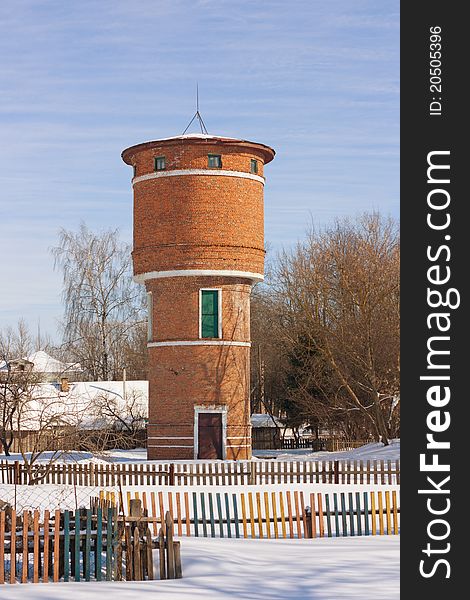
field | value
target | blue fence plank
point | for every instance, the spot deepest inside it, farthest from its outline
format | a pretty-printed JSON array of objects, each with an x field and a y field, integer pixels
[
  {"x": 358, "y": 513},
  {"x": 366, "y": 514},
  {"x": 235, "y": 515}
]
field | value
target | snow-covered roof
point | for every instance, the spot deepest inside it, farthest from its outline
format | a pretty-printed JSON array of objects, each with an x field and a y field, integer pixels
[
  {"x": 44, "y": 363},
  {"x": 89, "y": 390},
  {"x": 80, "y": 404},
  {"x": 261, "y": 420}
]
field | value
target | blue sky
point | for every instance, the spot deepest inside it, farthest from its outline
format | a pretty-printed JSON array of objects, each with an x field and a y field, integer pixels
[{"x": 80, "y": 81}]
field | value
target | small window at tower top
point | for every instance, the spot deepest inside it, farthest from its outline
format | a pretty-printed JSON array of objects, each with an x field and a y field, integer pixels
[
  {"x": 160, "y": 163},
  {"x": 254, "y": 166},
  {"x": 214, "y": 161}
]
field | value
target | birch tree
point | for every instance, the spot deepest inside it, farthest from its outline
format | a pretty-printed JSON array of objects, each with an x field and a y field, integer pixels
[{"x": 103, "y": 306}]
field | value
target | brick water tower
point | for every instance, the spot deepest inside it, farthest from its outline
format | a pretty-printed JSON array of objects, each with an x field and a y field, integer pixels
[{"x": 198, "y": 248}]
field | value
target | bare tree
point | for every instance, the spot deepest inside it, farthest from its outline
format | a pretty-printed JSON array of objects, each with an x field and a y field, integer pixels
[
  {"x": 15, "y": 378},
  {"x": 119, "y": 420},
  {"x": 36, "y": 419},
  {"x": 103, "y": 306},
  {"x": 46, "y": 425},
  {"x": 266, "y": 354},
  {"x": 340, "y": 292}
]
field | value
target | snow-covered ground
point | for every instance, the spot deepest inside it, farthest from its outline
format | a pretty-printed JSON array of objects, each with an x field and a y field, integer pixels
[
  {"x": 373, "y": 451},
  {"x": 325, "y": 569},
  {"x": 240, "y": 569}
]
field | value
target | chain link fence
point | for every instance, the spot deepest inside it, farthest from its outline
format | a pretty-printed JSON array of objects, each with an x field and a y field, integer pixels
[{"x": 51, "y": 497}]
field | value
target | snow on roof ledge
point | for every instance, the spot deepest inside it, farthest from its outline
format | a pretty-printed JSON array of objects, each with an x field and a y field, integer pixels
[{"x": 203, "y": 136}]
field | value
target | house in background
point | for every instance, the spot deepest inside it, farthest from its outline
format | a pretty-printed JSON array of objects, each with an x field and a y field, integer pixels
[
  {"x": 84, "y": 415},
  {"x": 51, "y": 369},
  {"x": 265, "y": 432}
]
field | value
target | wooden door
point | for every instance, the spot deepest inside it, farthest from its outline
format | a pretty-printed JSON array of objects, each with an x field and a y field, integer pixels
[{"x": 209, "y": 435}]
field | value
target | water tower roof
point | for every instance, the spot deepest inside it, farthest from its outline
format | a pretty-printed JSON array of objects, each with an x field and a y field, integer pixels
[{"x": 198, "y": 138}]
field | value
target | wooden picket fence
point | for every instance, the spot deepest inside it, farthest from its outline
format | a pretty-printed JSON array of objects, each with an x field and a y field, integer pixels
[
  {"x": 88, "y": 544},
  {"x": 206, "y": 473},
  {"x": 269, "y": 514}
]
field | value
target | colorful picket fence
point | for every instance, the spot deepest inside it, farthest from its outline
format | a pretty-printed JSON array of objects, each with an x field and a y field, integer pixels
[
  {"x": 279, "y": 514},
  {"x": 205, "y": 473},
  {"x": 85, "y": 545}
]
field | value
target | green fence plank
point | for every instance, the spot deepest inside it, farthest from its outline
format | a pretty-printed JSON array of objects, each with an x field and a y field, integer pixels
[
  {"x": 344, "y": 515},
  {"x": 351, "y": 512},
  {"x": 99, "y": 542},
  {"x": 77, "y": 545},
  {"x": 335, "y": 504},
  {"x": 66, "y": 545},
  {"x": 87, "y": 545},
  {"x": 229, "y": 522},
  {"x": 219, "y": 512},
  {"x": 211, "y": 515},
  {"x": 203, "y": 515},
  {"x": 196, "y": 522},
  {"x": 328, "y": 514},
  {"x": 116, "y": 541},
  {"x": 109, "y": 545}
]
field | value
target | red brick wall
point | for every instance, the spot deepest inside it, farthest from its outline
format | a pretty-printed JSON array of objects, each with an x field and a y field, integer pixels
[
  {"x": 195, "y": 221},
  {"x": 182, "y": 377},
  {"x": 176, "y": 307},
  {"x": 191, "y": 153},
  {"x": 198, "y": 222}
]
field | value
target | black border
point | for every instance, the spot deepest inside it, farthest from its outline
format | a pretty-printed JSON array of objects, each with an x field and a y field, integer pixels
[{"x": 420, "y": 134}]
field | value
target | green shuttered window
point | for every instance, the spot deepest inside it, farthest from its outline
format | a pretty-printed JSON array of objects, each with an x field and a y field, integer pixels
[{"x": 209, "y": 313}]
